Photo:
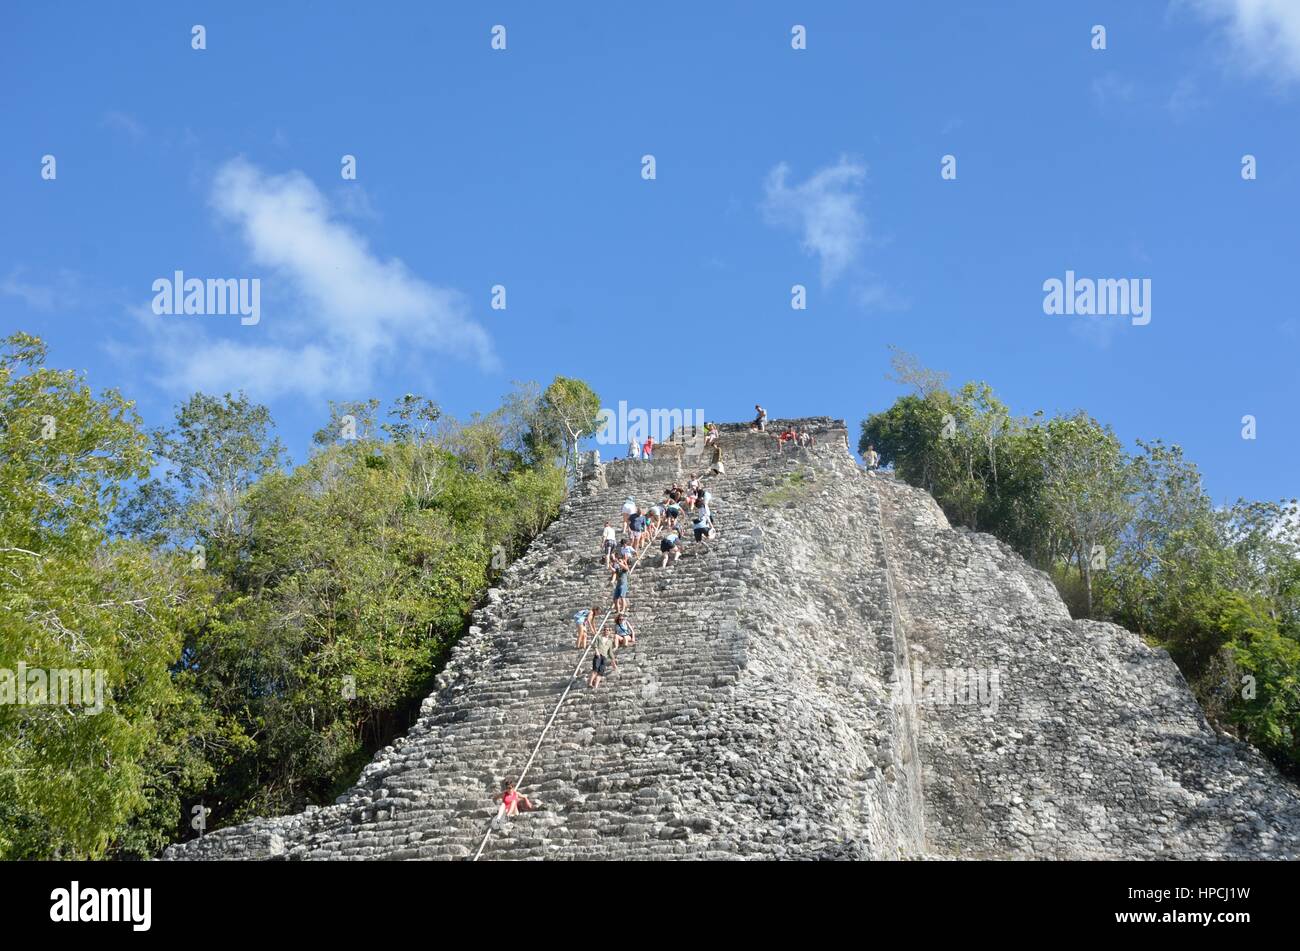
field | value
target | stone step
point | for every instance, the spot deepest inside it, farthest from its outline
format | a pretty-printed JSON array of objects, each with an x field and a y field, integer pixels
[{"x": 759, "y": 717}]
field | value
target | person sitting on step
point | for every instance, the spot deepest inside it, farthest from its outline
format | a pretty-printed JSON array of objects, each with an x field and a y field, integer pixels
[
  {"x": 512, "y": 800},
  {"x": 624, "y": 632},
  {"x": 692, "y": 490}
]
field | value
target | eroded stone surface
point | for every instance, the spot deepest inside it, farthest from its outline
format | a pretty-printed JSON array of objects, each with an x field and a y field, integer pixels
[{"x": 765, "y": 711}]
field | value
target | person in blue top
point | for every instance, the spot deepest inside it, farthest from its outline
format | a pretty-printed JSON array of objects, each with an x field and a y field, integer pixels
[
  {"x": 624, "y": 632},
  {"x": 620, "y": 586},
  {"x": 638, "y": 524},
  {"x": 586, "y": 621}
]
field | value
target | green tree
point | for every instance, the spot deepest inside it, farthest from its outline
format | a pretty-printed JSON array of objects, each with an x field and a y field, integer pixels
[
  {"x": 570, "y": 409},
  {"x": 215, "y": 451},
  {"x": 260, "y": 678},
  {"x": 358, "y": 573},
  {"x": 909, "y": 437},
  {"x": 1219, "y": 588},
  {"x": 1087, "y": 486},
  {"x": 76, "y": 782}
]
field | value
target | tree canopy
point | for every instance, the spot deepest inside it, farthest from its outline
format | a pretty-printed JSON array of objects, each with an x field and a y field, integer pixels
[
  {"x": 262, "y": 628},
  {"x": 1127, "y": 535}
]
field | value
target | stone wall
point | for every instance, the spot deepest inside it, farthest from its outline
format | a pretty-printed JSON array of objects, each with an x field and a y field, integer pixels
[
  {"x": 1095, "y": 747},
  {"x": 775, "y": 705}
]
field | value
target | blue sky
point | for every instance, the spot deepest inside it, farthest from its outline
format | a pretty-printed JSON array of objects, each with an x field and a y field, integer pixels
[{"x": 774, "y": 166}]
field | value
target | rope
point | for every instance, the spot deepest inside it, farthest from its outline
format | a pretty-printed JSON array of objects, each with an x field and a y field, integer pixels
[{"x": 573, "y": 678}]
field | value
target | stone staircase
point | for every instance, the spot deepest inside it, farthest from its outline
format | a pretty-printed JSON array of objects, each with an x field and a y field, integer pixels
[{"x": 766, "y": 710}]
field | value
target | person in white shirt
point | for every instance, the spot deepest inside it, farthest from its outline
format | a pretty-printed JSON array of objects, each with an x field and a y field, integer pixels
[
  {"x": 703, "y": 523},
  {"x": 608, "y": 541}
]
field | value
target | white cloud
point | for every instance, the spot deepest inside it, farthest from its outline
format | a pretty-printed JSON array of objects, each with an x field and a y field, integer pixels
[
  {"x": 123, "y": 122},
  {"x": 62, "y": 291},
  {"x": 1264, "y": 34},
  {"x": 825, "y": 209},
  {"x": 353, "y": 201},
  {"x": 334, "y": 314}
]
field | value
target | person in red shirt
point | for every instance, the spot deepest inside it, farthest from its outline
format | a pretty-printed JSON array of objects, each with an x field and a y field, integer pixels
[
  {"x": 512, "y": 801},
  {"x": 648, "y": 448}
]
